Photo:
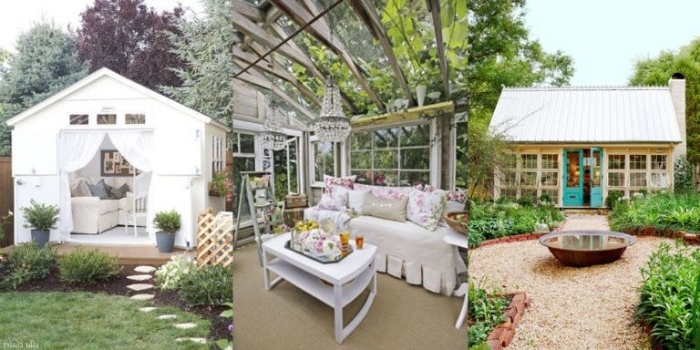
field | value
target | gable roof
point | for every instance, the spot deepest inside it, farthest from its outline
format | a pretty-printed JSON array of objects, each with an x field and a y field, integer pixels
[
  {"x": 106, "y": 72},
  {"x": 586, "y": 114}
]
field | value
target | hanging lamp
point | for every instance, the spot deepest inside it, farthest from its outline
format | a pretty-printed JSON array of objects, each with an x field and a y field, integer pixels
[{"x": 272, "y": 136}]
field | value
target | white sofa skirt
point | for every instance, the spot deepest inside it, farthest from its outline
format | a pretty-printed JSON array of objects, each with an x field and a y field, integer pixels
[{"x": 406, "y": 250}]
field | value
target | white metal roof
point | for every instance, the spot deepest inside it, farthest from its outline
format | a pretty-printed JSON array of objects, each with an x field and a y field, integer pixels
[{"x": 586, "y": 114}]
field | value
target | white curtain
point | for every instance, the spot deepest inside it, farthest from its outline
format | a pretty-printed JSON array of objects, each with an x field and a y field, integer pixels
[{"x": 76, "y": 149}]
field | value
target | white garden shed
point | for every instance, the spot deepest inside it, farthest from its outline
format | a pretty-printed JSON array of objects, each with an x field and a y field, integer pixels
[{"x": 108, "y": 128}]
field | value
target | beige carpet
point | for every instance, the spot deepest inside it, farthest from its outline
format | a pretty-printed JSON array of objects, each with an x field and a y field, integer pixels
[{"x": 401, "y": 317}]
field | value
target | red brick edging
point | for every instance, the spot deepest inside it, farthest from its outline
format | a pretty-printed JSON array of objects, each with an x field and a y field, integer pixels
[
  {"x": 516, "y": 238},
  {"x": 501, "y": 336}
]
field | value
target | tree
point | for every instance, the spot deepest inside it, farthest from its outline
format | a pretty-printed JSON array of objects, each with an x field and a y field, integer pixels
[
  {"x": 132, "y": 40},
  {"x": 657, "y": 71},
  {"x": 205, "y": 45},
  {"x": 45, "y": 63}
]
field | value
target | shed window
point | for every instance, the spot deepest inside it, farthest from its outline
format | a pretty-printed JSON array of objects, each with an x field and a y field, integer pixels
[
  {"x": 243, "y": 146},
  {"x": 530, "y": 175},
  {"x": 79, "y": 119},
  {"x": 138, "y": 118},
  {"x": 107, "y": 119}
]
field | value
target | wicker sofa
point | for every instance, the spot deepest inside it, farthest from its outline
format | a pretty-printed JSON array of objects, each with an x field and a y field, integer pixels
[{"x": 404, "y": 249}]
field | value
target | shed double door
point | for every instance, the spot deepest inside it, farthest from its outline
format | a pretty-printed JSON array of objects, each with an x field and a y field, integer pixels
[{"x": 582, "y": 178}]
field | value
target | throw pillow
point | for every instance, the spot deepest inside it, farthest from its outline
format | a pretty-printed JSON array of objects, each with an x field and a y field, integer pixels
[
  {"x": 99, "y": 190},
  {"x": 82, "y": 189},
  {"x": 119, "y": 192},
  {"x": 390, "y": 209},
  {"x": 332, "y": 182},
  {"x": 426, "y": 208},
  {"x": 390, "y": 192},
  {"x": 327, "y": 202},
  {"x": 356, "y": 198}
]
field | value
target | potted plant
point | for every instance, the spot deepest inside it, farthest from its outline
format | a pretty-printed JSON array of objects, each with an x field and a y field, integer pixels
[
  {"x": 221, "y": 185},
  {"x": 41, "y": 218},
  {"x": 168, "y": 223}
]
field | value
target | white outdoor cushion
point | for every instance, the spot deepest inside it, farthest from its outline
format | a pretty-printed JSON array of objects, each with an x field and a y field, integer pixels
[{"x": 108, "y": 205}]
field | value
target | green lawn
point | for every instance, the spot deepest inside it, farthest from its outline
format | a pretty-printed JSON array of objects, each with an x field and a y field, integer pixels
[{"x": 91, "y": 321}]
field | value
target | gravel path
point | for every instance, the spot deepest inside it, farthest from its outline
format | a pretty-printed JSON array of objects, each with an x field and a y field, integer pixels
[{"x": 572, "y": 308}]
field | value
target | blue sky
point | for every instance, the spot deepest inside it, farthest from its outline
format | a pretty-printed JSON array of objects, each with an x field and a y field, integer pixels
[{"x": 606, "y": 37}]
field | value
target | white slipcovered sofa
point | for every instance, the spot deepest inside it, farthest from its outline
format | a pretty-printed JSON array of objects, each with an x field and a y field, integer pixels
[
  {"x": 95, "y": 211},
  {"x": 404, "y": 249}
]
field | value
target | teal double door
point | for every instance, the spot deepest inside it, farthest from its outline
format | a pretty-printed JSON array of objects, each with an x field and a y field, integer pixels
[{"x": 582, "y": 177}]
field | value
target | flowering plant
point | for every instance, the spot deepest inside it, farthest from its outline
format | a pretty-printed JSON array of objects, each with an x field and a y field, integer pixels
[
  {"x": 313, "y": 240},
  {"x": 222, "y": 185},
  {"x": 170, "y": 274},
  {"x": 260, "y": 181}
]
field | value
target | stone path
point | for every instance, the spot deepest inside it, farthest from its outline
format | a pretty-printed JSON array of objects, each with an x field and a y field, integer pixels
[{"x": 145, "y": 274}]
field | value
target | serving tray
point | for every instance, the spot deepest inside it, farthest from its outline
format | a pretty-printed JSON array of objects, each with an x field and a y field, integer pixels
[{"x": 322, "y": 260}]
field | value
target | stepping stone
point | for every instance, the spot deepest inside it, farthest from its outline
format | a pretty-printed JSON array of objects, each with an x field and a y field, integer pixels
[
  {"x": 139, "y": 277},
  {"x": 196, "y": 340},
  {"x": 187, "y": 325},
  {"x": 140, "y": 286},
  {"x": 148, "y": 309},
  {"x": 142, "y": 296},
  {"x": 166, "y": 317},
  {"x": 145, "y": 269}
]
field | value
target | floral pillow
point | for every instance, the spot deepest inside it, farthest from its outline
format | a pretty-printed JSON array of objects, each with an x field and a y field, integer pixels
[
  {"x": 330, "y": 202},
  {"x": 333, "y": 182},
  {"x": 390, "y": 192},
  {"x": 426, "y": 208}
]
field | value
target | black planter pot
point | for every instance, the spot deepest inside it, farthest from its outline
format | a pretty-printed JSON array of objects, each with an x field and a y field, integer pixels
[
  {"x": 165, "y": 241},
  {"x": 41, "y": 237}
]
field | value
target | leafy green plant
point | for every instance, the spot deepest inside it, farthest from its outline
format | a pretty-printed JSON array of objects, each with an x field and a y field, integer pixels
[
  {"x": 612, "y": 199},
  {"x": 3, "y": 221},
  {"x": 169, "y": 275},
  {"x": 225, "y": 343},
  {"x": 683, "y": 175},
  {"x": 207, "y": 285},
  {"x": 485, "y": 311},
  {"x": 40, "y": 216},
  {"x": 168, "y": 221},
  {"x": 667, "y": 296},
  {"x": 26, "y": 262},
  {"x": 83, "y": 266}
]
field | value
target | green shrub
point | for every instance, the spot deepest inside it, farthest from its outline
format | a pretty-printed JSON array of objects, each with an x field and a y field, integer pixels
[
  {"x": 207, "y": 285},
  {"x": 83, "y": 266},
  {"x": 169, "y": 275},
  {"x": 26, "y": 262},
  {"x": 612, "y": 198},
  {"x": 668, "y": 296},
  {"x": 40, "y": 216},
  {"x": 168, "y": 221},
  {"x": 683, "y": 176}
]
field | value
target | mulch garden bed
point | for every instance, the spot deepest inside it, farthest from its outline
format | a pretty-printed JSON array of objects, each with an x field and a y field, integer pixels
[{"x": 117, "y": 286}]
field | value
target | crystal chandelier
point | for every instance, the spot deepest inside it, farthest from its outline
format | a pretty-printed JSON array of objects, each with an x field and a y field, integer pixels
[
  {"x": 331, "y": 125},
  {"x": 272, "y": 136}
]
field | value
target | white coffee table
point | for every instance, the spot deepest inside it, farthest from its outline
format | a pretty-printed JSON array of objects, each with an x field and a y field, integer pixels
[
  {"x": 348, "y": 277},
  {"x": 457, "y": 239}
]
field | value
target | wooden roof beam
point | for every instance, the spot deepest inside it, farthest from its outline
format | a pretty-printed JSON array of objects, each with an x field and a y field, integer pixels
[
  {"x": 434, "y": 8},
  {"x": 279, "y": 72},
  {"x": 321, "y": 31},
  {"x": 247, "y": 9},
  {"x": 259, "y": 80},
  {"x": 366, "y": 11},
  {"x": 256, "y": 33}
]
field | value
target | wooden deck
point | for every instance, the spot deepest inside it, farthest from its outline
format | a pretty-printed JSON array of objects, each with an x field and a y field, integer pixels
[{"x": 127, "y": 254}]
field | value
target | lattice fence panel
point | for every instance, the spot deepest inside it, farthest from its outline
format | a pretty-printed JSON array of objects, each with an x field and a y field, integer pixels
[{"x": 214, "y": 238}]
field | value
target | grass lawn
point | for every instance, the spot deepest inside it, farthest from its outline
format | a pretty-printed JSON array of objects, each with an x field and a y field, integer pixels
[{"x": 92, "y": 321}]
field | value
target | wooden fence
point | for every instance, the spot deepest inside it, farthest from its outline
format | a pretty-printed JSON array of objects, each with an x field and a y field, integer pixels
[{"x": 7, "y": 200}]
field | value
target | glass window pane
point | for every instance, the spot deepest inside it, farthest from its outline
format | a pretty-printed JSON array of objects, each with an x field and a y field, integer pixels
[
  {"x": 247, "y": 143},
  {"x": 529, "y": 193},
  {"x": 616, "y": 161},
  {"x": 361, "y": 141},
  {"x": 658, "y": 162},
  {"x": 78, "y": 119},
  {"x": 528, "y": 178},
  {"x": 386, "y": 160},
  {"x": 616, "y": 179},
  {"x": 385, "y": 138},
  {"x": 106, "y": 119},
  {"x": 549, "y": 178},
  {"x": 361, "y": 160},
  {"x": 660, "y": 180},
  {"x": 416, "y": 135},
  {"x": 550, "y": 161},
  {"x": 573, "y": 175},
  {"x": 638, "y": 161},
  {"x": 638, "y": 179},
  {"x": 529, "y": 161},
  {"x": 418, "y": 158},
  {"x": 323, "y": 156}
]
